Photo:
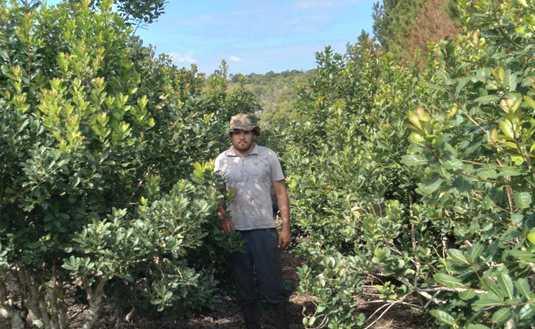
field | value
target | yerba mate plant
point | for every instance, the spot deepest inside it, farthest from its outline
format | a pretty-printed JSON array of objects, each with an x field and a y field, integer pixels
[{"x": 418, "y": 186}]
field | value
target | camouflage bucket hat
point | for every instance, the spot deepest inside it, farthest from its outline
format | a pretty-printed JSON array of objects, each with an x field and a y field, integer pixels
[{"x": 243, "y": 121}]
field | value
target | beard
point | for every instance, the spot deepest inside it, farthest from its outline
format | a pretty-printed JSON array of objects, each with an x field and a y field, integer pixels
[{"x": 243, "y": 145}]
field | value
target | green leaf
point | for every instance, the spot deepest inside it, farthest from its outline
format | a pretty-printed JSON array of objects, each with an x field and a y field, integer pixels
[
  {"x": 522, "y": 199},
  {"x": 448, "y": 280},
  {"x": 527, "y": 311},
  {"x": 530, "y": 102},
  {"x": 506, "y": 283},
  {"x": 512, "y": 81},
  {"x": 522, "y": 286},
  {"x": 507, "y": 128},
  {"x": 516, "y": 218},
  {"x": 462, "y": 184},
  {"x": 489, "y": 282},
  {"x": 467, "y": 295},
  {"x": 501, "y": 315},
  {"x": 487, "y": 300},
  {"x": 486, "y": 173},
  {"x": 453, "y": 164},
  {"x": 475, "y": 251},
  {"x": 488, "y": 204},
  {"x": 443, "y": 317},
  {"x": 457, "y": 256},
  {"x": 429, "y": 188},
  {"x": 4, "y": 55},
  {"x": 460, "y": 85},
  {"x": 416, "y": 138},
  {"x": 509, "y": 171},
  {"x": 526, "y": 257},
  {"x": 518, "y": 160},
  {"x": 476, "y": 326},
  {"x": 487, "y": 99},
  {"x": 412, "y": 160}
]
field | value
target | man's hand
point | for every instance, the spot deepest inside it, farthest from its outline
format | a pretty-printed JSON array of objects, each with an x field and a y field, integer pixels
[
  {"x": 284, "y": 238},
  {"x": 226, "y": 225}
]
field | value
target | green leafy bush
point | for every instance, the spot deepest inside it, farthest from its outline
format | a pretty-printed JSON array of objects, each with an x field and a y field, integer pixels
[
  {"x": 420, "y": 184},
  {"x": 350, "y": 190},
  {"x": 95, "y": 133},
  {"x": 474, "y": 147}
]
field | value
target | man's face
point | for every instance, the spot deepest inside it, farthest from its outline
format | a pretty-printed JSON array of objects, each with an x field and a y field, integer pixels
[{"x": 242, "y": 140}]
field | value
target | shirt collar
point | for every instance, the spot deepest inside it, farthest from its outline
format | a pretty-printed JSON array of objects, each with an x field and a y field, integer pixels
[{"x": 231, "y": 152}]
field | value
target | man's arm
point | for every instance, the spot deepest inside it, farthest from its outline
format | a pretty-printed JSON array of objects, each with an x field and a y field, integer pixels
[{"x": 282, "y": 201}]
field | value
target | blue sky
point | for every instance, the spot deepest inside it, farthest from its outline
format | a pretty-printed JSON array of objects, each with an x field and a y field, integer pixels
[{"x": 256, "y": 36}]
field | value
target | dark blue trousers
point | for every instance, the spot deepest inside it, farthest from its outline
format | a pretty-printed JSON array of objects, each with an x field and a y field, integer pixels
[{"x": 257, "y": 269}]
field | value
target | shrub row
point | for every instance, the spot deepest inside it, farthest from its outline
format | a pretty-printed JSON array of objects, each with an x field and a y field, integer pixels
[
  {"x": 416, "y": 186},
  {"x": 99, "y": 200}
]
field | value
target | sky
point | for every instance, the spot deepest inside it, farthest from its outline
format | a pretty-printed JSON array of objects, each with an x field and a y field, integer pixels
[{"x": 256, "y": 36}]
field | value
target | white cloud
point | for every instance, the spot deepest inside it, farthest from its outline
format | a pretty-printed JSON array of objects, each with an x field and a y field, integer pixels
[
  {"x": 234, "y": 59},
  {"x": 183, "y": 58}
]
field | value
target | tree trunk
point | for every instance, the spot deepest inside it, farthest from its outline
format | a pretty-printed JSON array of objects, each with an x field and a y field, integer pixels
[
  {"x": 95, "y": 296},
  {"x": 8, "y": 311},
  {"x": 40, "y": 298}
]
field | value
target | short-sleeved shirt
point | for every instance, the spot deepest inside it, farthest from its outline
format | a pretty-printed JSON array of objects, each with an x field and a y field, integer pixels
[{"x": 251, "y": 178}]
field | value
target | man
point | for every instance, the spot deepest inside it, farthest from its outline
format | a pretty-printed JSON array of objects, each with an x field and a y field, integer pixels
[{"x": 252, "y": 172}]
